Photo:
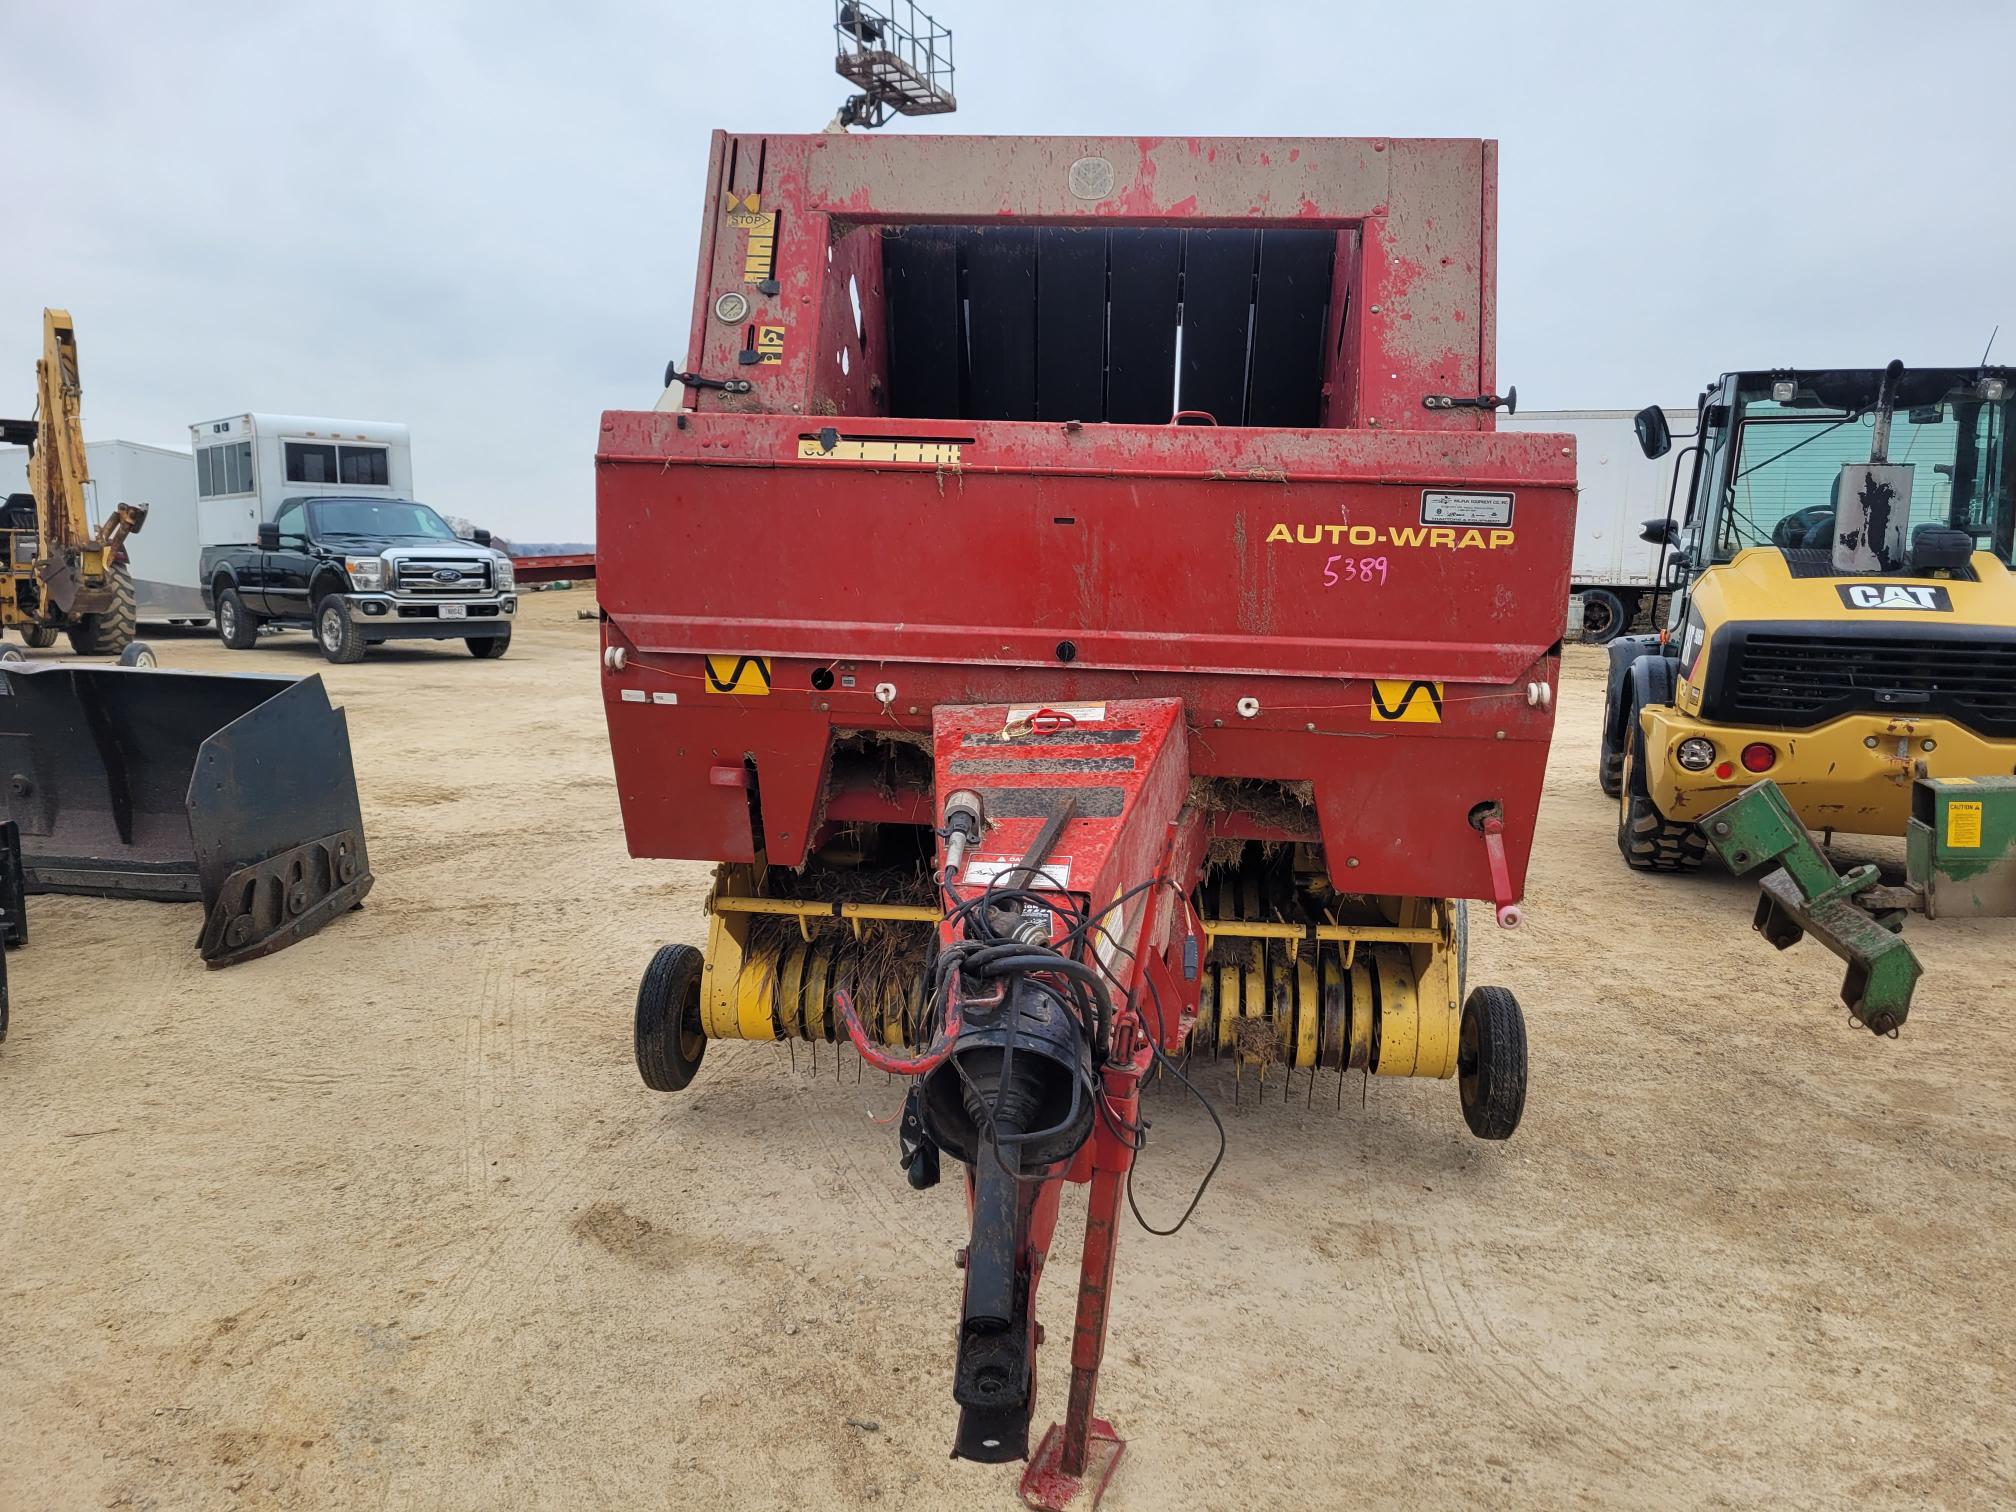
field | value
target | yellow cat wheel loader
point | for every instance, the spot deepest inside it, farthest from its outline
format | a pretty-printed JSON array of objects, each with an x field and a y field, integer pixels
[
  {"x": 60, "y": 576},
  {"x": 1844, "y": 614},
  {"x": 1839, "y": 658}
]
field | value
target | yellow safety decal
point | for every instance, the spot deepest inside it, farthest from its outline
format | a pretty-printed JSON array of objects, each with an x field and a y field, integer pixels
[
  {"x": 877, "y": 449},
  {"x": 759, "y": 257},
  {"x": 769, "y": 345},
  {"x": 738, "y": 674},
  {"x": 1963, "y": 826},
  {"x": 1400, "y": 702}
]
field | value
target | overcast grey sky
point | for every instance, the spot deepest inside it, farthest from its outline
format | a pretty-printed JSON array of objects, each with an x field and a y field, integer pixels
[{"x": 481, "y": 218}]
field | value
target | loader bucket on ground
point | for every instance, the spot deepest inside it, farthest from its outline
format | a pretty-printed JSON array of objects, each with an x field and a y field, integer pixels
[{"x": 235, "y": 791}]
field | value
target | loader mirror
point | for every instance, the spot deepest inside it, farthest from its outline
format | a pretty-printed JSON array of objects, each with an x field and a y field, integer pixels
[
  {"x": 1659, "y": 532},
  {"x": 269, "y": 536},
  {"x": 1655, "y": 437}
]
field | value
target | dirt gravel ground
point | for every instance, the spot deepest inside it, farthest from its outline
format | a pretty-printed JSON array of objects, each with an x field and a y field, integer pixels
[{"x": 389, "y": 1220}]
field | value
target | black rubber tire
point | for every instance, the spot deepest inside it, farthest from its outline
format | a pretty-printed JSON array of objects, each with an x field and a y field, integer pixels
[
  {"x": 670, "y": 1045},
  {"x": 138, "y": 654},
  {"x": 11, "y": 654},
  {"x": 1617, "y": 686},
  {"x": 41, "y": 637},
  {"x": 109, "y": 633},
  {"x": 1646, "y": 838},
  {"x": 1610, "y": 617},
  {"x": 1610, "y": 768},
  {"x": 1491, "y": 1062},
  {"x": 488, "y": 647},
  {"x": 339, "y": 640},
  {"x": 237, "y": 626}
]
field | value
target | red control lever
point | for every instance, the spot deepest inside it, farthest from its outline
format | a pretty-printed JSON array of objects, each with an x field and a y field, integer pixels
[{"x": 1509, "y": 912}]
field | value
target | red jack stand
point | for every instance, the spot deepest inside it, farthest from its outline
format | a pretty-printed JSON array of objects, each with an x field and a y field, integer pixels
[
  {"x": 1048, "y": 1486},
  {"x": 1079, "y": 1455}
]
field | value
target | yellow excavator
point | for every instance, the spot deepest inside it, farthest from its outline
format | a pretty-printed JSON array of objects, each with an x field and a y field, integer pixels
[{"x": 60, "y": 576}]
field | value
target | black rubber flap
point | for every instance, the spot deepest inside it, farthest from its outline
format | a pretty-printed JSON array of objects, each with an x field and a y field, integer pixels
[
  {"x": 920, "y": 273},
  {"x": 1001, "y": 322},
  {"x": 1218, "y": 273}
]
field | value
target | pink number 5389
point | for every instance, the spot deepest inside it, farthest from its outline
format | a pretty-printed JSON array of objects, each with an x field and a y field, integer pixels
[{"x": 1370, "y": 570}]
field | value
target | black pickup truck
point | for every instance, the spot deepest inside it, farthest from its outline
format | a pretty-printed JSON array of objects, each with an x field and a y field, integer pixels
[{"x": 358, "y": 571}]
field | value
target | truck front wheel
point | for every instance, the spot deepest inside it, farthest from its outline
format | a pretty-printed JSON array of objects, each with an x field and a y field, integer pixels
[
  {"x": 486, "y": 647},
  {"x": 340, "y": 640},
  {"x": 237, "y": 627}
]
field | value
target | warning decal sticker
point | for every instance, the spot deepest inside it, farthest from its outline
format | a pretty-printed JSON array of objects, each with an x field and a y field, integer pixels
[
  {"x": 1963, "y": 826},
  {"x": 749, "y": 675},
  {"x": 759, "y": 258},
  {"x": 1402, "y": 702}
]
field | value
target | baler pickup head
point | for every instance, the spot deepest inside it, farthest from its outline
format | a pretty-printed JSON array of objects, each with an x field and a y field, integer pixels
[{"x": 235, "y": 791}]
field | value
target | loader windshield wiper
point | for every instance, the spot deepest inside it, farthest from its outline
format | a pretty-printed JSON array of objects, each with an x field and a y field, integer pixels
[{"x": 1756, "y": 466}]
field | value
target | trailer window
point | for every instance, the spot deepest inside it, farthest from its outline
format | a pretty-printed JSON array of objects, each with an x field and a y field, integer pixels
[
  {"x": 363, "y": 465},
  {"x": 323, "y": 462},
  {"x": 310, "y": 462},
  {"x": 225, "y": 469}
]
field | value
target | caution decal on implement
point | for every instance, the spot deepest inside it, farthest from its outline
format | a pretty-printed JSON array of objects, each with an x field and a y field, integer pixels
[
  {"x": 1402, "y": 702},
  {"x": 1963, "y": 826},
  {"x": 747, "y": 675}
]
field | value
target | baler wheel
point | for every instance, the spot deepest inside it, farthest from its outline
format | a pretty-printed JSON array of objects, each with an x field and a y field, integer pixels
[
  {"x": 1491, "y": 1063},
  {"x": 669, "y": 1042}
]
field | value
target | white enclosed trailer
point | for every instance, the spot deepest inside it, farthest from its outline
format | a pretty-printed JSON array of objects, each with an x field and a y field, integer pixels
[
  {"x": 247, "y": 466},
  {"x": 163, "y": 556},
  {"x": 1617, "y": 491}
]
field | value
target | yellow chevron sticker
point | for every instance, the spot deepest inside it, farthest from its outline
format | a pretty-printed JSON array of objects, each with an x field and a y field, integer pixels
[
  {"x": 747, "y": 675},
  {"x": 1402, "y": 702}
]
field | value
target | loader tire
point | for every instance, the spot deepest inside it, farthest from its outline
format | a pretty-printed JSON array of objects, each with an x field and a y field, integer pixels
[
  {"x": 488, "y": 647},
  {"x": 669, "y": 1042},
  {"x": 109, "y": 633},
  {"x": 1649, "y": 841},
  {"x": 340, "y": 640},
  {"x": 237, "y": 626},
  {"x": 1491, "y": 1062},
  {"x": 41, "y": 637}
]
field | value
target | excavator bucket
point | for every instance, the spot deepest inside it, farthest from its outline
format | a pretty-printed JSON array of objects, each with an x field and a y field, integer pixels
[{"x": 235, "y": 791}]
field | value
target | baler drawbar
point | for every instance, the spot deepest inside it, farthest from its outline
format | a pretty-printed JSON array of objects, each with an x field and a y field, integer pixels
[{"x": 1064, "y": 604}]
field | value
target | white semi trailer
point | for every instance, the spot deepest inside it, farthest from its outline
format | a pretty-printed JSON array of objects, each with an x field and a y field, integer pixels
[
  {"x": 162, "y": 557},
  {"x": 1617, "y": 492}
]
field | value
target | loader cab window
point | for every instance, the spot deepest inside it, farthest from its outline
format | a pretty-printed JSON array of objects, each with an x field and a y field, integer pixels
[{"x": 1778, "y": 485}]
